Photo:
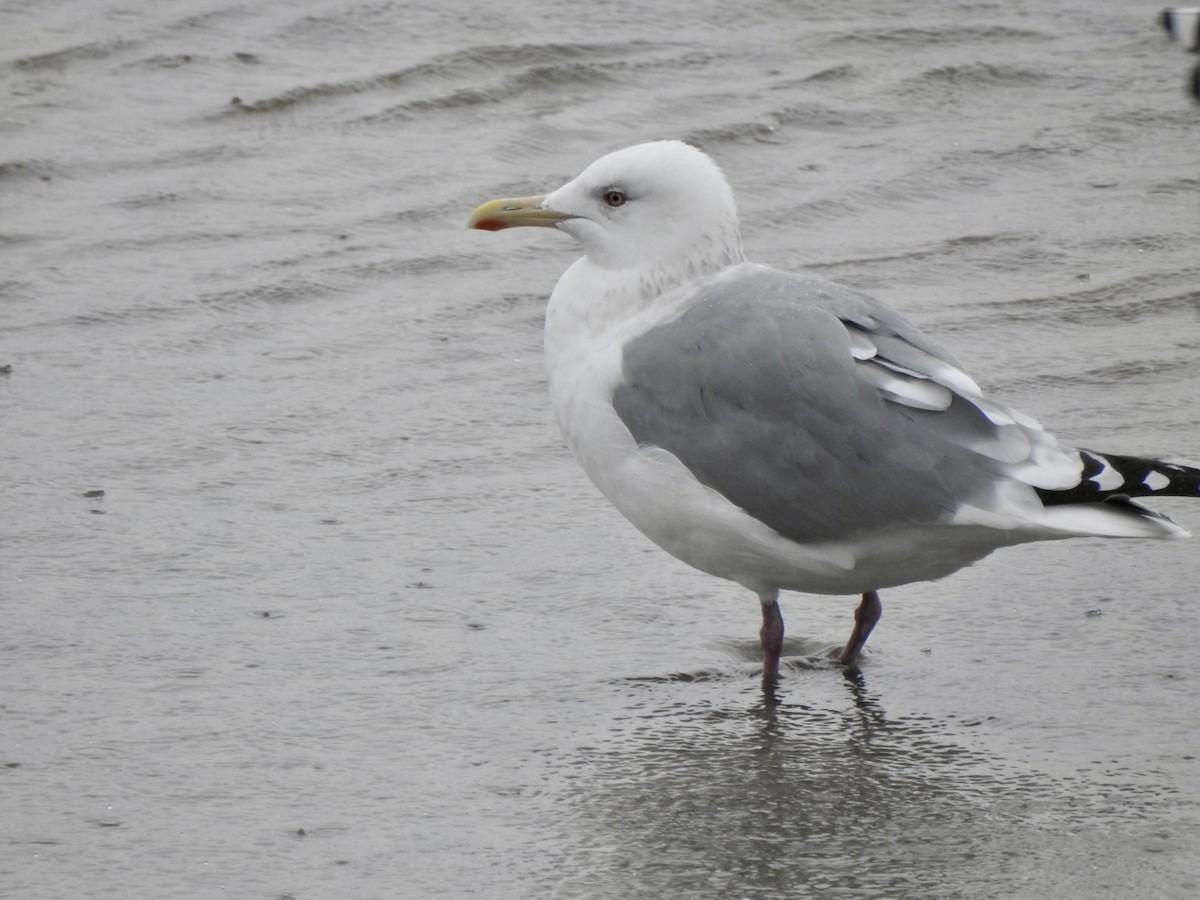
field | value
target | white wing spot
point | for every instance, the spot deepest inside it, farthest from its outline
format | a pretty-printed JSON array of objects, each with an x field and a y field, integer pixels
[
  {"x": 1108, "y": 478},
  {"x": 1156, "y": 481}
]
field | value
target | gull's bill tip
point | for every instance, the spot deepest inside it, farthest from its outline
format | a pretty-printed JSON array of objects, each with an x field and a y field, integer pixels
[{"x": 511, "y": 213}]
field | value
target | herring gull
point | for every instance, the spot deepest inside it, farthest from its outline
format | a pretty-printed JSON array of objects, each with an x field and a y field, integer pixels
[{"x": 781, "y": 431}]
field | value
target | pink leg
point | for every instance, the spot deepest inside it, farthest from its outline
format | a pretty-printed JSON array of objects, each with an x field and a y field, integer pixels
[
  {"x": 771, "y": 636},
  {"x": 865, "y": 617}
]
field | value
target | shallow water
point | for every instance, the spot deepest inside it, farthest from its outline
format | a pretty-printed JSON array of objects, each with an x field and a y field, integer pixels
[{"x": 348, "y": 621}]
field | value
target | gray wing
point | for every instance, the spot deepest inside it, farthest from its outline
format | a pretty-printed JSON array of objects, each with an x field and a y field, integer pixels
[{"x": 820, "y": 411}]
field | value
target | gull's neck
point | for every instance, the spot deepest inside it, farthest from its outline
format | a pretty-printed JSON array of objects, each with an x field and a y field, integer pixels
[{"x": 590, "y": 300}]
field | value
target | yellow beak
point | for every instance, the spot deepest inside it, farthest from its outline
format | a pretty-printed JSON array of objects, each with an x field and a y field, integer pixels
[{"x": 497, "y": 214}]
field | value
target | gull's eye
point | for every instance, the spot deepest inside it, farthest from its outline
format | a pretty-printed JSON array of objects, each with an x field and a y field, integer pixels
[{"x": 614, "y": 198}]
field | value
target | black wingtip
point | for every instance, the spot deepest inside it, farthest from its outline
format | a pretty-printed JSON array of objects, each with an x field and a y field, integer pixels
[{"x": 1108, "y": 476}]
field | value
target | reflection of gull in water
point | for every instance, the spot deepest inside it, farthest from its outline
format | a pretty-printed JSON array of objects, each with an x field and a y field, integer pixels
[
  {"x": 781, "y": 431},
  {"x": 1183, "y": 24},
  {"x": 710, "y": 792}
]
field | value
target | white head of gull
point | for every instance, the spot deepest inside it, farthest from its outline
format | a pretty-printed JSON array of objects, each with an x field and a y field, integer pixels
[{"x": 784, "y": 432}]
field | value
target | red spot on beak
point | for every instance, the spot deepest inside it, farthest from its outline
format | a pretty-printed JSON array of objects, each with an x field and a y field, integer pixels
[{"x": 491, "y": 225}]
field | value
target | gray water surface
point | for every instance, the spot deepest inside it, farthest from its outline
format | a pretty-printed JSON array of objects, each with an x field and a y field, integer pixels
[{"x": 347, "y": 621}]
